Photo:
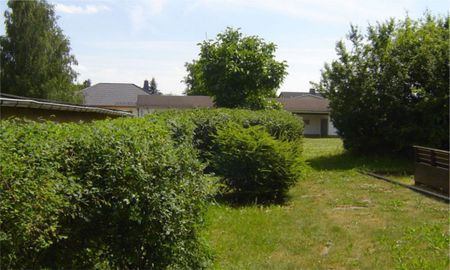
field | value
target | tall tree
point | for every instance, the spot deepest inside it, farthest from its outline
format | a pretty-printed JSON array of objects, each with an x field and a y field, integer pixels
[
  {"x": 236, "y": 70},
  {"x": 194, "y": 81},
  {"x": 391, "y": 90},
  {"x": 153, "y": 88},
  {"x": 36, "y": 58}
]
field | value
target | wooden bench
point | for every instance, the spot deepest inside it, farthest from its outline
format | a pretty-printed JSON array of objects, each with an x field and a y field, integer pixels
[{"x": 432, "y": 168}]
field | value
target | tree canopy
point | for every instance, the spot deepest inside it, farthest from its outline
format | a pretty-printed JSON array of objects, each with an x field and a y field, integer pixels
[
  {"x": 391, "y": 89},
  {"x": 35, "y": 55},
  {"x": 236, "y": 70}
]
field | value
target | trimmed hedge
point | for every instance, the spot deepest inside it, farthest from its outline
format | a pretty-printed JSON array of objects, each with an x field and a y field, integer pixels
[
  {"x": 131, "y": 193},
  {"x": 113, "y": 194},
  {"x": 228, "y": 147},
  {"x": 253, "y": 163},
  {"x": 201, "y": 124}
]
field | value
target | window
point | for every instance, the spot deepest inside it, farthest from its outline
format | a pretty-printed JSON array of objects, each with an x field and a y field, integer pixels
[{"x": 306, "y": 121}]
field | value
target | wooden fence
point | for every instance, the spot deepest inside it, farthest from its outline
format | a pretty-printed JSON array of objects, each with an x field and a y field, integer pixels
[{"x": 432, "y": 168}]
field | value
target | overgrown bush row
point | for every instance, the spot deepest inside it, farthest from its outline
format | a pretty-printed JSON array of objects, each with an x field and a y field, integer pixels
[
  {"x": 130, "y": 193},
  {"x": 114, "y": 194},
  {"x": 202, "y": 125},
  {"x": 256, "y": 153}
]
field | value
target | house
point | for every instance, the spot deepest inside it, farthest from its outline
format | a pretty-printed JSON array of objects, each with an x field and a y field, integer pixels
[
  {"x": 314, "y": 111},
  {"x": 117, "y": 96},
  {"x": 42, "y": 109},
  {"x": 150, "y": 103}
]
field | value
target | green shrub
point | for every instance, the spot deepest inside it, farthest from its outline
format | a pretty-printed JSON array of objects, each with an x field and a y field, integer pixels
[
  {"x": 113, "y": 194},
  {"x": 281, "y": 130},
  {"x": 127, "y": 193},
  {"x": 202, "y": 124},
  {"x": 254, "y": 163},
  {"x": 34, "y": 194}
]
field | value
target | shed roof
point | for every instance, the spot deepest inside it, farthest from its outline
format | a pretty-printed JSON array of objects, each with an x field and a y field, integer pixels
[
  {"x": 26, "y": 102},
  {"x": 112, "y": 94},
  {"x": 175, "y": 102}
]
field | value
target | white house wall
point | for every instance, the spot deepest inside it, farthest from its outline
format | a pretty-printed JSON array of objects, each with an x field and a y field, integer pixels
[
  {"x": 311, "y": 124},
  {"x": 313, "y": 127},
  {"x": 332, "y": 131}
]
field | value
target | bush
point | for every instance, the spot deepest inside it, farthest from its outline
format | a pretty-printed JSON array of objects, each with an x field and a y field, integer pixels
[
  {"x": 113, "y": 194},
  {"x": 253, "y": 163},
  {"x": 34, "y": 194},
  {"x": 390, "y": 90},
  {"x": 201, "y": 125},
  {"x": 278, "y": 129},
  {"x": 128, "y": 193}
]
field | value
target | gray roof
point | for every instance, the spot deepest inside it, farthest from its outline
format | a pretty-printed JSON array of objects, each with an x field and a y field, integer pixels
[
  {"x": 297, "y": 94},
  {"x": 306, "y": 104},
  {"x": 112, "y": 94},
  {"x": 176, "y": 102}
]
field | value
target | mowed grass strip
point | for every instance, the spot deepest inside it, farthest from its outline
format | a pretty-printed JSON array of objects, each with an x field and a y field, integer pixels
[{"x": 335, "y": 218}]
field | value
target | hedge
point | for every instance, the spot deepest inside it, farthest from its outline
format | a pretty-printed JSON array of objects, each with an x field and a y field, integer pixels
[
  {"x": 201, "y": 124},
  {"x": 113, "y": 194},
  {"x": 130, "y": 193},
  {"x": 233, "y": 156},
  {"x": 254, "y": 164}
]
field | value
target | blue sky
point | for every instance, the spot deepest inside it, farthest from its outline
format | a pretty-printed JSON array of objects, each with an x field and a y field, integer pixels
[{"x": 133, "y": 40}]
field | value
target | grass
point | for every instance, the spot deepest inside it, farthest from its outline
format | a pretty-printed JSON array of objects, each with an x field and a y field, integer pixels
[{"x": 335, "y": 218}]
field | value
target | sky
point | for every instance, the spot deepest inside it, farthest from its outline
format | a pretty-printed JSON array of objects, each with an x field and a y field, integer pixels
[{"x": 129, "y": 41}]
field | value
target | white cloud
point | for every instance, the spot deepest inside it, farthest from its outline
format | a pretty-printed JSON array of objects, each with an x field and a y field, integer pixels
[
  {"x": 141, "y": 12},
  {"x": 325, "y": 11},
  {"x": 73, "y": 9}
]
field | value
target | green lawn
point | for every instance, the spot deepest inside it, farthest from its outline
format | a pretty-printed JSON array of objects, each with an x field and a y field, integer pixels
[{"x": 335, "y": 218}]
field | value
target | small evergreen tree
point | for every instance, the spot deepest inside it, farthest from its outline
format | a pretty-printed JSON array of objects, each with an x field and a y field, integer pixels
[
  {"x": 87, "y": 83},
  {"x": 153, "y": 88}
]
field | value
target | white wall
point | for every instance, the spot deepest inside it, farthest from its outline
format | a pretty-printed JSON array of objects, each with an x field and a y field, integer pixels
[
  {"x": 332, "y": 131},
  {"x": 313, "y": 128}
]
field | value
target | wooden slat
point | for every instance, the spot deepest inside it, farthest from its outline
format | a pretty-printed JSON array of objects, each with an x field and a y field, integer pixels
[
  {"x": 440, "y": 155},
  {"x": 430, "y": 149},
  {"x": 432, "y": 157}
]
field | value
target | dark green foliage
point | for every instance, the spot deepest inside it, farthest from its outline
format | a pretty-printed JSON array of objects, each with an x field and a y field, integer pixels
[
  {"x": 34, "y": 194},
  {"x": 255, "y": 164},
  {"x": 35, "y": 55},
  {"x": 237, "y": 71},
  {"x": 194, "y": 80},
  {"x": 153, "y": 88},
  {"x": 277, "y": 131},
  {"x": 87, "y": 83},
  {"x": 113, "y": 194},
  {"x": 202, "y": 125},
  {"x": 130, "y": 193},
  {"x": 392, "y": 89}
]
